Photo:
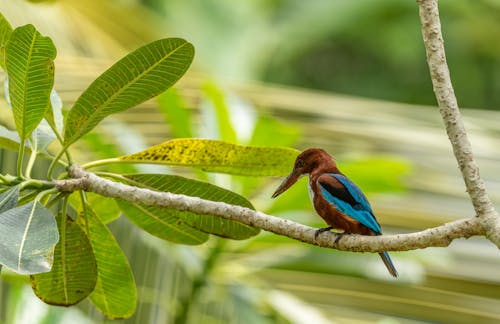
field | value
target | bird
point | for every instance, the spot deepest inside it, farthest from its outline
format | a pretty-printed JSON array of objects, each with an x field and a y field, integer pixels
[{"x": 338, "y": 200}]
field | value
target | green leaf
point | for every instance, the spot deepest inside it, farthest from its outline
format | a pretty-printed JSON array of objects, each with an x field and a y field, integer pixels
[
  {"x": 115, "y": 294},
  {"x": 74, "y": 271},
  {"x": 54, "y": 115},
  {"x": 105, "y": 208},
  {"x": 29, "y": 61},
  {"x": 271, "y": 132},
  {"x": 176, "y": 113},
  {"x": 141, "y": 75},
  {"x": 29, "y": 234},
  {"x": 8, "y": 199},
  {"x": 206, "y": 223},
  {"x": 225, "y": 127},
  {"x": 9, "y": 139},
  {"x": 5, "y": 32},
  {"x": 219, "y": 156}
]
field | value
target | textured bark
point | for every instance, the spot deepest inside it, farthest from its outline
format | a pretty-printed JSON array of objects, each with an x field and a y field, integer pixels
[
  {"x": 448, "y": 107},
  {"x": 438, "y": 236}
]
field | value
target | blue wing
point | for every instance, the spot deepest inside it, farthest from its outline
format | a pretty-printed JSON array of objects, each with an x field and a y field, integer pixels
[{"x": 351, "y": 201}]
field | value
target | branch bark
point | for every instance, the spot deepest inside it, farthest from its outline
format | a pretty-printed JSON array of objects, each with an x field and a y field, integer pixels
[
  {"x": 448, "y": 107},
  {"x": 437, "y": 236}
]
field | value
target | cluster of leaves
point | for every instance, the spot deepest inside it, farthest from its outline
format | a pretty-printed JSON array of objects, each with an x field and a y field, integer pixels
[{"x": 62, "y": 240}]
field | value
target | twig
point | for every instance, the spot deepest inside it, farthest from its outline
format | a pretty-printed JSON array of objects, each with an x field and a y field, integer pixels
[
  {"x": 438, "y": 236},
  {"x": 448, "y": 107}
]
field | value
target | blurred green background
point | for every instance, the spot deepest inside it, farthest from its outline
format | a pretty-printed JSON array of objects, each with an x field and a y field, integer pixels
[{"x": 347, "y": 76}]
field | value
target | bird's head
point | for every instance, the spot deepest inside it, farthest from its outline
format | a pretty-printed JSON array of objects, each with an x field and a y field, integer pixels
[{"x": 308, "y": 161}]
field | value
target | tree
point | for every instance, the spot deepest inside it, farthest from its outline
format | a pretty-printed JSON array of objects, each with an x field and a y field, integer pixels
[{"x": 152, "y": 200}]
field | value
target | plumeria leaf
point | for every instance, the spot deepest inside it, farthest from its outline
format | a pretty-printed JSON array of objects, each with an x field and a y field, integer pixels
[
  {"x": 141, "y": 75},
  {"x": 29, "y": 61},
  {"x": 74, "y": 271},
  {"x": 29, "y": 234},
  {"x": 219, "y": 156}
]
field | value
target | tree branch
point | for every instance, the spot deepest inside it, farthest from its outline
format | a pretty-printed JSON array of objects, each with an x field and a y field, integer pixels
[
  {"x": 448, "y": 107},
  {"x": 438, "y": 236}
]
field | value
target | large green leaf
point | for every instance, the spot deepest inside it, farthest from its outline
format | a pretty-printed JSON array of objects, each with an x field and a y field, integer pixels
[
  {"x": 105, "y": 208},
  {"x": 157, "y": 222},
  {"x": 221, "y": 112},
  {"x": 115, "y": 294},
  {"x": 176, "y": 113},
  {"x": 142, "y": 74},
  {"x": 74, "y": 271},
  {"x": 29, "y": 234},
  {"x": 8, "y": 199},
  {"x": 5, "y": 31},
  {"x": 29, "y": 59},
  {"x": 219, "y": 156},
  {"x": 206, "y": 223}
]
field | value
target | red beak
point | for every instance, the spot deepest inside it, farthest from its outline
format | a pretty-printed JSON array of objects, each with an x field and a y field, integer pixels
[{"x": 287, "y": 183}]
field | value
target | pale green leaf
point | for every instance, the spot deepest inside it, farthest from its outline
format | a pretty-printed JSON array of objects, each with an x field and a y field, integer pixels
[
  {"x": 8, "y": 199},
  {"x": 206, "y": 223},
  {"x": 219, "y": 156},
  {"x": 221, "y": 112},
  {"x": 5, "y": 31},
  {"x": 115, "y": 293},
  {"x": 29, "y": 234},
  {"x": 29, "y": 61},
  {"x": 74, "y": 271},
  {"x": 176, "y": 113},
  {"x": 141, "y": 75},
  {"x": 9, "y": 139},
  {"x": 105, "y": 208}
]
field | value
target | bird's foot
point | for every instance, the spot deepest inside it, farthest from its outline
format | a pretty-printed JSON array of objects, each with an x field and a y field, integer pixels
[{"x": 321, "y": 230}]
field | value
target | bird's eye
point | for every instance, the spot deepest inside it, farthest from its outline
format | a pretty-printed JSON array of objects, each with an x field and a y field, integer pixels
[{"x": 299, "y": 164}]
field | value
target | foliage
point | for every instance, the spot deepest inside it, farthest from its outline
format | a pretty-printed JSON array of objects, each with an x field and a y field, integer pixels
[{"x": 62, "y": 241}]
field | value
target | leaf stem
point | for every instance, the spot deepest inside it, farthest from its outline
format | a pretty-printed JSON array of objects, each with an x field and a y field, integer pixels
[
  {"x": 97, "y": 163},
  {"x": 54, "y": 162},
  {"x": 33, "y": 154},
  {"x": 20, "y": 157}
]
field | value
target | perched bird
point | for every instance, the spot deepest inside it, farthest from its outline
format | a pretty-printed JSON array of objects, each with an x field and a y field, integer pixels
[{"x": 339, "y": 201}]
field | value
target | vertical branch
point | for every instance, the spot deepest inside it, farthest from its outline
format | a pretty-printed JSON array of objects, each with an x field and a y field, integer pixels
[{"x": 448, "y": 107}]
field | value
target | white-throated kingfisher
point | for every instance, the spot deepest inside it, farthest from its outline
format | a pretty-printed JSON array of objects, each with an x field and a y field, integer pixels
[{"x": 339, "y": 201}]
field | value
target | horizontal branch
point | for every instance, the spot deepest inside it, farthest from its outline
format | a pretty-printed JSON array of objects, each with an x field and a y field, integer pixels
[{"x": 439, "y": 236}]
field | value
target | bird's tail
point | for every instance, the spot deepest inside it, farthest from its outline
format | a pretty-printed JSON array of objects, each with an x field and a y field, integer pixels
[{"x": 388, "y": 263}]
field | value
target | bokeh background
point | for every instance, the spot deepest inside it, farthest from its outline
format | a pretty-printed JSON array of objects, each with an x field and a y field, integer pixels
[{"x": 347, "y": 76}]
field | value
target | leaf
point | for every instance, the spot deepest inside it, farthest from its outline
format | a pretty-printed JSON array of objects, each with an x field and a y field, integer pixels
[
  {"x": 74, "y": 271},
  {"x": 54, "y": 115},
  {"x": 219, "y": 156},
  {"x": 175, "y": 113},
  {"x": 115, "y": 294},
  {"x": 29, "y": 61},
  {"x": 105, "y": 208},
  {"x": 9, "y": 139},
  {"x": 271, "y": 132},
  {"x": 29, "y": 234},
  {"x": 8, "y": 199},
  {"x": 206, "y": 223},
  {"x": 141, "y": 75},
  {"x": 5, "y": 32},
  {"x": 225, "y": 127}
]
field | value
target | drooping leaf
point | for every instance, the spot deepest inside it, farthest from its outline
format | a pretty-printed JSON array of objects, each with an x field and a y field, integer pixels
[
  {"x": 105, "y": 208},
  {"x": 115, "y": 293},
  {"x": 206, "y": 223},
  {"x": 8, "y": 199},
  {"x": 29, "y": 61},
  {"x": 5, "y": 31},
  {"x": 176, "y": 113},
  {"x": 141, "y": 75},
  {"x": 74, "y": 271},
  {"x": 29, "y": 234},
  {"x": 219, "y": 156}
]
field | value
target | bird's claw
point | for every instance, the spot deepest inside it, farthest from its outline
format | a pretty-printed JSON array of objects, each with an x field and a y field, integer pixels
[{"x": 321, "y": 230}]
